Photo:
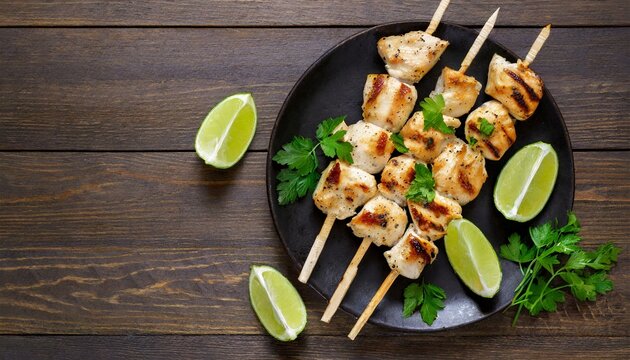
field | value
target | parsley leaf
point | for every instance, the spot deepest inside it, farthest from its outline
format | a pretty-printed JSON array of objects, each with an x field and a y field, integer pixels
[
  {"x": 299, "y": 154},
  {"x": 300, "y": 157},
  {"x": 430, "y": 298},
  {"x": 421, "y": 188},
  {"x": 399, "y": 143},
  {"x": 327, "y": 127},
  {"x": 517, "y": 251},
  {"x": 432, "y": 110},
  {"x": 472, "y": 141},
  {"x": 557, "y": 250},
  {"x": 485, "y": 127},
  {"x": 293, "y": 185}
]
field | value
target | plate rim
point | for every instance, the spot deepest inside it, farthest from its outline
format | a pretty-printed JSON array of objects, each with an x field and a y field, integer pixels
[{"x": 269, "y": 163}]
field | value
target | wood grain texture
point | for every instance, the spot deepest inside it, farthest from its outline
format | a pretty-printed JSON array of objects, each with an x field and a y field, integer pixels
[
  {"x": 148, "y": 89},
  {"x": 304, "y": 12},
  {"x": 312, "y": 347},
  {"x": 158, "y": 243}
]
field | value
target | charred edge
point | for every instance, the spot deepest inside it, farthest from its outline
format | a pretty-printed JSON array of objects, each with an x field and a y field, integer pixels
[
  {"x": 528, "y": 89},
  {"x": 423, "y": 223},
  {"x": 377, "y": 87},
  {"x": 401, "y": 95},
  {"x": 381, "y": 144},
  {"x": 465, "y": 183},
  {"x": 419, "y": 250},
  {"x": 334, "y": 175},
  {"x": 520, "y": 101},
  {"x": 369, "y": 218},
  {"x": 437, "y": 208},
  {"x": 492, "y": 148},
  {"x": 510, "y": 140},
  {"x": 411, "y": 174}
]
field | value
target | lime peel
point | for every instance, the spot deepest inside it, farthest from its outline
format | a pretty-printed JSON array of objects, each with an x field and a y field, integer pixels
[{"x": 257, "y": 270}]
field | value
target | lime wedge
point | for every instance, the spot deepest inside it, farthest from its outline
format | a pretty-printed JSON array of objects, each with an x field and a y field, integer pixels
[
  {"x": 526, "y": 182},
  {"x": 472, "y": 257},
  {"x": 276, "y": 302},
  {"x": 227, "y": 131}
]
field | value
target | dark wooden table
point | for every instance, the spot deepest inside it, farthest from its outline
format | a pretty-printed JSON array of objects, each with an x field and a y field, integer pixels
[{"x": 117, "y": 242}]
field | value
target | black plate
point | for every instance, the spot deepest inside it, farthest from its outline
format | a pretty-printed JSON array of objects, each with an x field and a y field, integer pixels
[{"x": 333, "y": 86}]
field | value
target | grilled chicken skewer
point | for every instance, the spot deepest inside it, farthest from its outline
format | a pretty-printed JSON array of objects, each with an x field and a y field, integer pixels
[
  {"x": 410, "y": 56},
  {"x": 382, "y": 221},
  {"x": 341, "y": 189},
  {"x": 426, "y": 145},
  {"x": 408, "y": 258},
  {"x": 459, "y": 90},
  {"x": 517, "y": 86}
]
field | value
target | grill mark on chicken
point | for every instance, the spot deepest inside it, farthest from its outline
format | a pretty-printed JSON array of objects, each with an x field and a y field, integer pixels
[
  {"x": 381, "y": 144},
  {"x": 492, "y": 148},
  {"x": 419, "y": 251},
  {"x": 437, "y": 208},
  {"x": 520, "y": 100},
  {"x": 472, "y": 126},
  {"x": 465, "y": 183},
  {"x": 424, "y": 223},
  {"x": 363, "y": 187},
  {"x": 506, "y": 133},
  {"x": 377, "y": 87},
  {"x": 411, "y": 174},
  {"x": 528, "y": 89},
  {"x": 334, "y": 175},
  {"x": 369, "y": 218}
]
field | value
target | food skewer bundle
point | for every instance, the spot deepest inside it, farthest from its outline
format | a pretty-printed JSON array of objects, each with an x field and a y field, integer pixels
[
  {"x": 493, "y": 148},
  {"x": 388, "y": 102}
]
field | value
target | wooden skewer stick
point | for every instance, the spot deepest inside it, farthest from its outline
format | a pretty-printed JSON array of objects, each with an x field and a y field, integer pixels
[
  {"x": 481, "y": 38},
  {"x": 376, "y": 299},
  {"x": 437, "y": 16},
  {"x": 346, "y": 281},
  {"x": 538, "y": 44},
  {"x": 316, "y": 249}
]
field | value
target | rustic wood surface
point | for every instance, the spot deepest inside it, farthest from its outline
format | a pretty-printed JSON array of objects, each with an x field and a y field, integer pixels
[{"x": 117, "y": 242}]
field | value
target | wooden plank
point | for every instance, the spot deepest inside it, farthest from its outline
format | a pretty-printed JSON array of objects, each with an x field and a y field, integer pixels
[
  {"x": 148, "y": 89},
  {"x": 313, "y": 347},
  {"x": 303, "y": 12},
  {"x": 134, "y": 243}
]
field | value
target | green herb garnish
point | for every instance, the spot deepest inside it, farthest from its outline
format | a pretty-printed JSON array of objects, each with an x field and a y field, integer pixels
[
  {"x": 300, "y": 157},
  {"x": 432, "y": 110},
  {"x": 556, "y": 262},
  {"x": 428, "y": 297},
  {"x": 399, "y": 143},
  {"x": 485, "y": 127},
  {"x": 421, "y": 188},
  {"x": 472, "y": 141}
]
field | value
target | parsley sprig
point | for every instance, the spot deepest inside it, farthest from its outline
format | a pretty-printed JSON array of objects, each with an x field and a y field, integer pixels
[
  {"x": 300, "y": 157},
  {"x": 422, "y": 186},
  {"x": 428, "y": 297},
  {"x": 555, "y": 262},
  {"x": 432, "y": 110}
]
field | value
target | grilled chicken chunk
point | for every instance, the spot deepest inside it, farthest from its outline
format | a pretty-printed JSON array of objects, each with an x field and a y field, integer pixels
[
  {"x": 381, "y": 220},
  {"x": 397, "y": 177},
  {"x": 410, "y": 56},
  {"x": 426, "y": 145},
  {"x": 459, "y": 172},
  {"x": 431, "y": 219},
  {"x": 492, "y": 146},
  {"x": 459, "y": 91},
  {"x": 515, "y": 85},
  {"x": 387, "y": 102},
  {"x": 411, "y": 254},
  {"x": 372, "y": 146},
  {"x": 342, "y": 188}
]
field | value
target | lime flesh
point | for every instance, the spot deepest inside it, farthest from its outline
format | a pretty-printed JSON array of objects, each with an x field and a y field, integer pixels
[
  {"x": 277, "y": 304},
  {"x": 526, "y": 182},
  {"x": 472, "y": 257},
  {"x": 227, "y": 131}
]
